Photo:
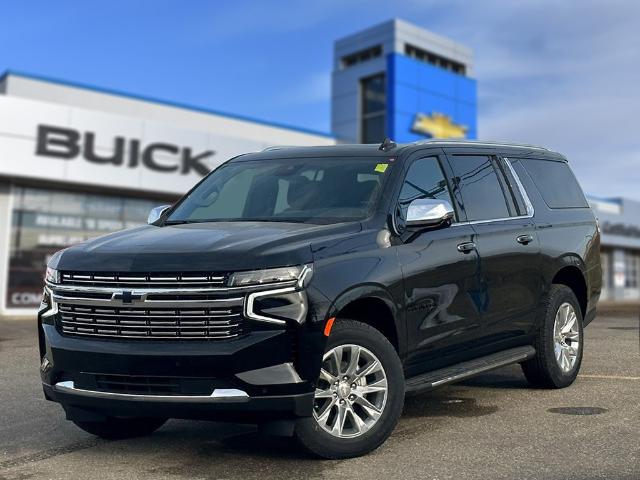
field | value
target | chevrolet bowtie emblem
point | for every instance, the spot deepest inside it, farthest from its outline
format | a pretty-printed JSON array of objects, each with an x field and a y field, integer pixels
[
  {"x": 438, "y": 125},
  {"x": 128, "y": 297}
]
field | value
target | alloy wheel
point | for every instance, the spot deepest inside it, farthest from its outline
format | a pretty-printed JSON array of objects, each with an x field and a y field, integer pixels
[
  {"x": 566, "y": 337},
  {"x": 351, "y": 393}
]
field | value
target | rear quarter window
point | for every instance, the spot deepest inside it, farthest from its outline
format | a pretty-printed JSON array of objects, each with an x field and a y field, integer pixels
[{"x": 556, "y": 183}]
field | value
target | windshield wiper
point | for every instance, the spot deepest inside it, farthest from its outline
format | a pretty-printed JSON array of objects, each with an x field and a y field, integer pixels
[{"x": 182, "y": 222}]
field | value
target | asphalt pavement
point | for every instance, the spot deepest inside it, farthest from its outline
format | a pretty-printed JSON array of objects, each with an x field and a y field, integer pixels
[{"x": 490, "y": 427}]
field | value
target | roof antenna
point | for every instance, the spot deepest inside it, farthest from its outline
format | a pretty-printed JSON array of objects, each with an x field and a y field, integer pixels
[{"x": 387, "y": 144}]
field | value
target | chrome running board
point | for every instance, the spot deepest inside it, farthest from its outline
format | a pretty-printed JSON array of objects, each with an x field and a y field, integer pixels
[{"x": 455, "y": 373}]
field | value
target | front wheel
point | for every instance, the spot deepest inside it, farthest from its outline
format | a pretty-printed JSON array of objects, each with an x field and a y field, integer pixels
[
  {"x": 121, "y": 428},
  {"x": 359, "y": 395}
]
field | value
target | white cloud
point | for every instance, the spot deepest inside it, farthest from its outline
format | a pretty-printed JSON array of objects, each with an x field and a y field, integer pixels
[{"x": 559, "y": 74}]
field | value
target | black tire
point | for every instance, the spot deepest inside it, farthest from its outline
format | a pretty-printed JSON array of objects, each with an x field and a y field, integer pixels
[
  {"x": 320, "y": 442},
  {"x": 543, "y": 370},
  {"x": 121, "y": 428}
]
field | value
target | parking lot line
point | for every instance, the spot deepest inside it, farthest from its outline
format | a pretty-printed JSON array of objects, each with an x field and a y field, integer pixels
[{"x": 612, "y": 377}]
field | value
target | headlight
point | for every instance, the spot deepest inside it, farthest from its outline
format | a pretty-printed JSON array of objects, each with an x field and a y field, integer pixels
[
  {"x": 301, "y": 274},
  {"x": 52, "y": 275},
  {"x": 48, "y": 306}
]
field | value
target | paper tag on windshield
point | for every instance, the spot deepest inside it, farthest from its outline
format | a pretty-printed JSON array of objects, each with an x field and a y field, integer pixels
[{"x": 381, "y": 167}]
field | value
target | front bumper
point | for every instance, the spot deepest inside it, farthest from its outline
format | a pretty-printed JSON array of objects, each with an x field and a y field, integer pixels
[
  {"x": 248, "y": 378},
  {"x": 87, "y": 405}
]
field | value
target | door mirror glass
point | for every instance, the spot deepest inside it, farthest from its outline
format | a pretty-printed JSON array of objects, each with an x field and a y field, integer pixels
[
  {"x": 428, "y": 212},
  {"x": 156, "y": 213}
]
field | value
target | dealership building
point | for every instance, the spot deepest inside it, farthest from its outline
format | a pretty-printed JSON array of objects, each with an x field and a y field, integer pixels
[
  {"x": 78, "y": 162},
  {"x": 620, "y": 225}
]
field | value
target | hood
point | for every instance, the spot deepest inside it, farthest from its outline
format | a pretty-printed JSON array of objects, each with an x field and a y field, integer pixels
[{"x": 212, "y": 246}]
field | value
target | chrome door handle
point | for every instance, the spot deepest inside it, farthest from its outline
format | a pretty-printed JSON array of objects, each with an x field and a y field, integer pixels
[
  {"x": 524, "y": 239},
  {"x": 466, "y": 247}
]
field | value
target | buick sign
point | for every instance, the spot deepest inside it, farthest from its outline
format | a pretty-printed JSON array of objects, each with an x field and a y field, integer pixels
[{"x": 68, "y": 144}]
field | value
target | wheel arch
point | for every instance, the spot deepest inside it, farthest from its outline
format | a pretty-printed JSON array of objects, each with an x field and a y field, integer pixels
[
  {"x": 373, "y": 305},
  {"x": 572, "y": 276}
]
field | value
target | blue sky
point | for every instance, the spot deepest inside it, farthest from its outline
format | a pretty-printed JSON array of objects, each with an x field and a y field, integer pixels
[{"x": 561, "y": 74}]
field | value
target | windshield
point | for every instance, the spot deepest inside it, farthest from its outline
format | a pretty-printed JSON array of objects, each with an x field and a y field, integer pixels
[{"x": 309, "y": 190}]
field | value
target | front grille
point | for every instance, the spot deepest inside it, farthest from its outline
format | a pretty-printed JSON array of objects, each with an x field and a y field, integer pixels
[
  {"x": 144, "y": 280},
  {"x": 214, "y": 323}
]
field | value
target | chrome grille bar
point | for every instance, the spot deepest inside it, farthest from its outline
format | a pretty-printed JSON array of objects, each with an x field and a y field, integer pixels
[
  {"x": 123, "y": 280},
  {"x": 149, "y": 302},
  {"x": 169, "y": 290},
  {"x": 146, "y": 323}
]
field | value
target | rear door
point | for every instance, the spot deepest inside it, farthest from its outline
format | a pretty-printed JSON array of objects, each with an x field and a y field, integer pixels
[{"x": 498, "y": 209}]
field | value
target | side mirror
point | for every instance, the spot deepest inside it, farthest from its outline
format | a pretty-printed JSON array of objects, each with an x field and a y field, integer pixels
[
  {"x": 156, "y": 213},
  {"x": 428, "y": 212}
]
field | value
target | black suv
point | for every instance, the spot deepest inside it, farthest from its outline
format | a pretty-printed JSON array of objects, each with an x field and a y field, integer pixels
[{"x": 308, "y": 289}]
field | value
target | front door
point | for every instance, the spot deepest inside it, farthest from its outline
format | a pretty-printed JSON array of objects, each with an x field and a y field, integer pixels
[{"x": 441, "y": 271}]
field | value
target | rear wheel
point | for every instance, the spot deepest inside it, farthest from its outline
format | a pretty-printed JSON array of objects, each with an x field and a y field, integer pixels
[
  {"x": 120, "y": 428},
  {"x": 559, "y": 342},
  {"x": 359, "y": 395}
]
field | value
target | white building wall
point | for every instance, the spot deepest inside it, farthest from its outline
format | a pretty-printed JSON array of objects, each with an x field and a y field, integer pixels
[{"x": 178, "y": 116}]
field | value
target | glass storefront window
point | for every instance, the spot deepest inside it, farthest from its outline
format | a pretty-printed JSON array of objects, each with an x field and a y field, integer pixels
[
  {"x": 45, "y": 221},
  {"x": 631, "y": 269},
  {"x": 373, "y": 104}
]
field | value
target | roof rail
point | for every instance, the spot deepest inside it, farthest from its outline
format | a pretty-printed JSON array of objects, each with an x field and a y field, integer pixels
[
  {"x": 478, "y": 142},
  {"x": 277, "y": 147}
]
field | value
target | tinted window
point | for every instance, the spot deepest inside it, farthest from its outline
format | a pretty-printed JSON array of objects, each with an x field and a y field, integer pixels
[
  {"x": 424, "y": 180},
  {"x": 310, "y": 190},
  {"x": 482, "y": 192},
  {"x": 556, "y": 182}
]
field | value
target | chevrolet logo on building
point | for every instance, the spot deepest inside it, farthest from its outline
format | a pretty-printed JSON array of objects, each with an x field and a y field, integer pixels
[{"x": 438, "y": 125}]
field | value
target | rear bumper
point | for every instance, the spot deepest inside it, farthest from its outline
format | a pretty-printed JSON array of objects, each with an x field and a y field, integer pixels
[{"x": 243, "y": 379}]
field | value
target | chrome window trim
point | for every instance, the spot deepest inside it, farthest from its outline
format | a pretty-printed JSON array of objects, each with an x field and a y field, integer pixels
[
  {"x": 523, "y": 191},
  {"x": 472, "y": 143},
  {"x": 530, "y": 210}
]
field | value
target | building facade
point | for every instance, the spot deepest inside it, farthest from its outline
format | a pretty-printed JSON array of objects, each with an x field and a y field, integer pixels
[
  {"x": 620, "y": 225},
  {"x": 401, "y": 81}
]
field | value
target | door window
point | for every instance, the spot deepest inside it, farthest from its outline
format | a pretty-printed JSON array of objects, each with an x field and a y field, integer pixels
[
  {"x": 424, "y": 180},
  {"x": 482, "y": 192}
]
